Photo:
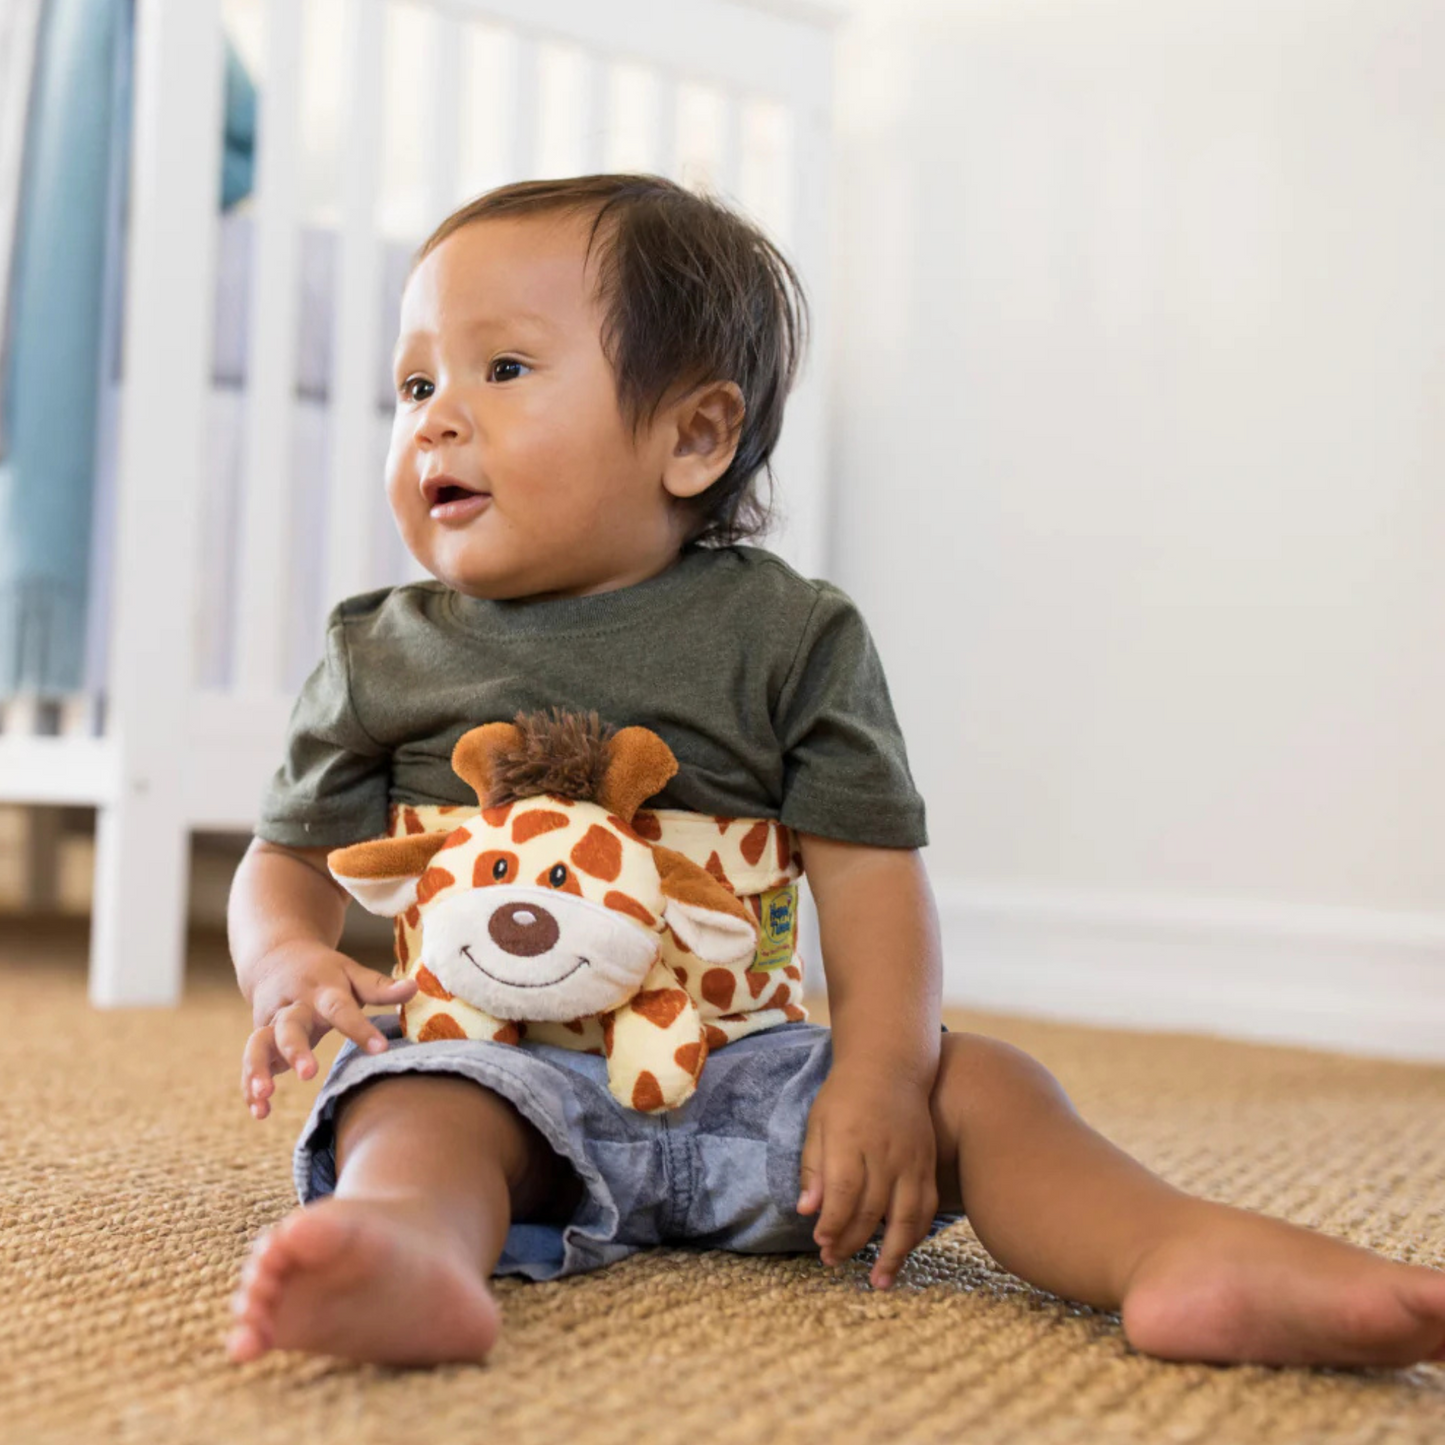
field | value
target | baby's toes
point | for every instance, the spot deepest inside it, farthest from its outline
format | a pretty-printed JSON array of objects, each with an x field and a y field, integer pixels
[{"x": 246, "y": 1342}]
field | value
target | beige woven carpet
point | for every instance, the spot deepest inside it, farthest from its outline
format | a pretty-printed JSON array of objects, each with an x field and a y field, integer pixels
[{"x": 132, "y": 1181}]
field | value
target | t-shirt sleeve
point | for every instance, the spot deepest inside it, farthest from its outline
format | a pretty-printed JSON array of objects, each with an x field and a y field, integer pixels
[
  {"x": 334, "y": 785},
  {"x": 845, "y": 770}
]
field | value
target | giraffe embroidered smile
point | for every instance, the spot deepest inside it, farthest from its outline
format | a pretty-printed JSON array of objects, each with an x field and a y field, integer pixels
[{"x": 508, "y": 983}]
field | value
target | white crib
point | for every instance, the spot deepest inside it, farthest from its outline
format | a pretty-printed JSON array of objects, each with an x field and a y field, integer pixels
[{"x": 173, "y": 750}]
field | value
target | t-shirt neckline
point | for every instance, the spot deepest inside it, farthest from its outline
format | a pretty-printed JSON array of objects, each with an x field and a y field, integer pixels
[{"x": 523, "y": 616}]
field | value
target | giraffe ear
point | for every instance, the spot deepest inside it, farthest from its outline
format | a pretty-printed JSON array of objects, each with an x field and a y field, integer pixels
[
  {"x": 473, "y": 754},
  {"x": 711, "y": 920},
  {"x": 382, "y": 875},
  {"x": 639, "y": 765}
]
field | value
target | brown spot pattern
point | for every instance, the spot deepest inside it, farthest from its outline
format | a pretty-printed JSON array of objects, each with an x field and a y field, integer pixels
[
  {"x": 607, "y": 1035},
  {"x": 753, "y": 843},
  {"x": 715, "y": 867},
  {"x": 717, "y": 987},
  {"x": 428, "y": 983},
  {"x": 526, "y": 826},
  {"x": 599, "y": 853},
  {"x": 440, "y": 1026},
  {"x": 412, "y": 819},
  {"x": 433, "y": 881},
  {"x": 780, "y": 836},
  {"x": 782, "y": 998},
  {"x": 413, "y": 916},
  {"x": 757, "y": 981},
  {"x": 457, "y": 836},
  {"x": 646, "y": 1093},
  {"x": 482, "y": 875},
  {"x": 793, "y": 972},
  {"x": 509, "y": 1033},
  {"x": 659, "y": 1006},
  {"x": 716, "y": 1038},
  {"x": 681, "y": 973},
  {"x": 646, "y": 826},
  {"x": 794, "y": 1013},
  {"x": 624, "y": 903},
  {"x": 680, "y": 945},
  {"x": 574, "y": 1026},
  {"x": 570, "y": 886},
  {"x": 403, "y": 954},
  {"x": 690, "y": 1057},
  {"x": 495, "y": 817}
]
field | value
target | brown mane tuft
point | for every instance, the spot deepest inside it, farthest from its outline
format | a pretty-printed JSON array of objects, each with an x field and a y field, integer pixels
[{"x": 561, "y": 753}]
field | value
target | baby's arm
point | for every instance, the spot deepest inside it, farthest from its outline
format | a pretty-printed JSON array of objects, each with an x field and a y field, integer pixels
[
  {"x": 870, "y": 1151},
  {"x": 284, "y": 921}
]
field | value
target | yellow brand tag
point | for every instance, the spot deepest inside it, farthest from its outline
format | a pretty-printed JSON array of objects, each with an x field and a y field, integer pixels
[{"x": 778, "y": 927}]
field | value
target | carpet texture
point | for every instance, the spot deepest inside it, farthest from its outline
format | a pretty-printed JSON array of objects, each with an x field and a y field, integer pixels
[{"x": 133, "y": 1180}]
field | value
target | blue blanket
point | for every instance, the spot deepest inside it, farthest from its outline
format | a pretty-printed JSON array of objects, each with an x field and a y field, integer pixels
[{"x": 64, "y": 315}]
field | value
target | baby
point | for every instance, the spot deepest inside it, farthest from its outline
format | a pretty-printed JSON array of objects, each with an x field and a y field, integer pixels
[{"x": 590, "y": 381}]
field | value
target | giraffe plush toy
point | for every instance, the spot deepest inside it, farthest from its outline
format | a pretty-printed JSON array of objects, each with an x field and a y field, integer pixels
[{"x": 544, "y": 909}]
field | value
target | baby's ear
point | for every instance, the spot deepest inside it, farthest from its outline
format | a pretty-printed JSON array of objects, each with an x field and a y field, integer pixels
[
  {"x": 709, "y": 422},
  {"x": 382, "y": 875}
]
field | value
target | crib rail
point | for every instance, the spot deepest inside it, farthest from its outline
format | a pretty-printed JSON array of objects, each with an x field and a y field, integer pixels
[{"x": 171, "y": 756}]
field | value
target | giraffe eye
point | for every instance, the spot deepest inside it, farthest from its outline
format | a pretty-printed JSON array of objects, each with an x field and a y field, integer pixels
[
  {"x": 558, "y": 876},
  {"x": 499, "y": 869}
]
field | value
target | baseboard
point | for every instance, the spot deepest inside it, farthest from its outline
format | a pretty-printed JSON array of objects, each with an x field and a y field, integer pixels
[{"x": 1347, "y": 979}]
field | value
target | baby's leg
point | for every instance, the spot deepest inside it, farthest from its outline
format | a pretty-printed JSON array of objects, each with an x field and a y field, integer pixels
[
  {"x": 392, "y": 1268},
  {"x": 1061, "y": 1207}
]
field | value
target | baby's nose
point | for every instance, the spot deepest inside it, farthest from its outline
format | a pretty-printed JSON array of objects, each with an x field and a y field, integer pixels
[{"x": 523, "y": 929}]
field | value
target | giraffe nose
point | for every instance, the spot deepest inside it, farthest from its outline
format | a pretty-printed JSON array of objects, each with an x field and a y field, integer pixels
[{"x": 523, "y": 929}]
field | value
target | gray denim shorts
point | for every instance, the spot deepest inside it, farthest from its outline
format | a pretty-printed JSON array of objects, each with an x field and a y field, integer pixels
[{"x": 721, "y": 1172}]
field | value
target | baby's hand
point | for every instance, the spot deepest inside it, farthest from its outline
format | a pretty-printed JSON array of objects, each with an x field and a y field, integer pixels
[
  {"x": 870, "y": 1154},
  {"x": 306, "y": 990}
]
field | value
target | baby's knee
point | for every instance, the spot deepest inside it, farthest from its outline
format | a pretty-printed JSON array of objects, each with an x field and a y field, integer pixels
[{"x": 977, "y": 1073}]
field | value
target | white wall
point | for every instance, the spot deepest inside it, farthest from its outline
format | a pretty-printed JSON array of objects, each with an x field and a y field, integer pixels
[{"x": 1141, "y": 481}]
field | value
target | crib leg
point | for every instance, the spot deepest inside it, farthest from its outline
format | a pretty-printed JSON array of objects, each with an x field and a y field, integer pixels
[{"x": 138, "y": 927}]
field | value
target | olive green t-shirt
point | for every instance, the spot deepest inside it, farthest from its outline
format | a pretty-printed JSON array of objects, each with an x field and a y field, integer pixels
[{"x": 766, "y": 686}]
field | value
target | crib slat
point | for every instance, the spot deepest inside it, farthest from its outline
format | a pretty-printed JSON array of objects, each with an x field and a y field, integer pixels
[
  {"x": 594, "y": 114},
  {"x": 137, "y": 950},
  {"x": 263, "y": 594},
  {"x": 771, "y": 48},
  {"x": 664, "y": 106},
  {"x": 800, "y": 460},
  {"x": 357, "y": 323},
  {"x": 526, "y": 126},
  {"x": 729, "y": 169},
  {"x": 444, "y": 143}
]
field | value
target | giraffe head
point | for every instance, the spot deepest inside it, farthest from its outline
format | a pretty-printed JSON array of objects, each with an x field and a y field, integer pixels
[{"x": 549, "y": 906}]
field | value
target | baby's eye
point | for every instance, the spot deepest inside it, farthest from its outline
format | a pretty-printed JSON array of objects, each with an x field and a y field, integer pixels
[
  {"x": 406, "y": 388},
  {"x": 506, "y": 368}
]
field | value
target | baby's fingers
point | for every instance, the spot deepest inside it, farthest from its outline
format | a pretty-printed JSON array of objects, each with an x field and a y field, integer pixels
[
  {"x": 909, "y": 1216},
  {"x": 369, "y": 986},
  {"x": 343, "y": 1013},
  {"x": 260, "y": 1059},
  {"x": 296, "y": 1029},
  {"x": 845, "y": 1179}
]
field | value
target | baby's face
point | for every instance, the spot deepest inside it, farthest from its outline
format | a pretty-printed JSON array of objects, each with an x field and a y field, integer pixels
[{"x": 511, "y": 470}]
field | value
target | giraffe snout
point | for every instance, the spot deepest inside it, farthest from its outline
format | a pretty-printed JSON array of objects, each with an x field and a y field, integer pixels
[{"x": 523, "y": 929}]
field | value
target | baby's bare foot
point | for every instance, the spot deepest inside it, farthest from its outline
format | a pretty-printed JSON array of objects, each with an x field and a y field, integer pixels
[
  {"x": 365, "y": 1281},
  {"x": 1234, "y": 1286}
]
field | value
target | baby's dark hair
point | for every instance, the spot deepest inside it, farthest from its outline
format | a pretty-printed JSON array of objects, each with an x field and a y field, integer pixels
[{"x": 691, "y": 293}]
